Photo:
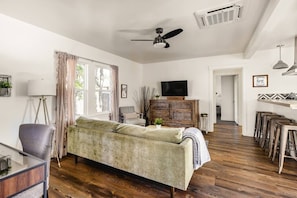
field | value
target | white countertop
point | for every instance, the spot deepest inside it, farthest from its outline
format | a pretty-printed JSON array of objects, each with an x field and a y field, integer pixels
[{"x": 286, "y": 103}]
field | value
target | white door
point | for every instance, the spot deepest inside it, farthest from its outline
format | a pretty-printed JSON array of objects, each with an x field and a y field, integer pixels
[{"x": 227, "y": 98}]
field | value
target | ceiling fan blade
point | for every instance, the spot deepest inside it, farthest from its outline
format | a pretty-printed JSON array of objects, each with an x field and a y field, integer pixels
[
  {"x": 142, "y": 40},
  {"x": 172, "y": 33}
]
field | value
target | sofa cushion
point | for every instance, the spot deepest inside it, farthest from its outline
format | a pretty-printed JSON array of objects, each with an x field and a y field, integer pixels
[
  {"x": 101, "y": 125},
  {"x": 130, "y": 129},
  {"x": 173, "y": 135}
]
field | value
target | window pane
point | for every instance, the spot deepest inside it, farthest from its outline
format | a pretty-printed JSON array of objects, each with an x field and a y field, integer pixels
[
  {"x": 79, "y": 102},
  {"x": 80, "y": 76},
  {"x": 102, "y": 79},
  {"x": 103, "y": 102},
  {"x": 80, "y": 85},
  {"x": 102, "y": 89}
]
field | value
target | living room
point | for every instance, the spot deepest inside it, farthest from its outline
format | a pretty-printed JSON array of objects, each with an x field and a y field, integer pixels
[
  {"x": 27, "y": 48},
  {"x": 27, "y": 52}
]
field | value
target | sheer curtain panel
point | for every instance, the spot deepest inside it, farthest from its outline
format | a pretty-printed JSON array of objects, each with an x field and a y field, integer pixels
[{"x": 66, "y": 64}]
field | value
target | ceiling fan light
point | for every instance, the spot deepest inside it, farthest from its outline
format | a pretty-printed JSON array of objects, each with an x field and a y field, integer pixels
[{"x": 159, "y": 42}]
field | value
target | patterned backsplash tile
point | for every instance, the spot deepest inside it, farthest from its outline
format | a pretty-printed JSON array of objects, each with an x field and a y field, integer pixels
[{"x": 278, "y": 96}]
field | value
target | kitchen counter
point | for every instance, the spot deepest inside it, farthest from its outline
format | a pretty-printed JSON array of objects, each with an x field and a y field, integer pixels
[{"x": 286, "y": 103}]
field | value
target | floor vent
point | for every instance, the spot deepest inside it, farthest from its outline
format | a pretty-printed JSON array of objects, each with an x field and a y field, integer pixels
[{"x": 225, "y": 14}]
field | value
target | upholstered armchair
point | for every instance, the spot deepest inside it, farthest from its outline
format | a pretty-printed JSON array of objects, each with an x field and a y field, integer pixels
[
  {"x": 130, "y": 116},
  {"x": 36, "y": 140}
]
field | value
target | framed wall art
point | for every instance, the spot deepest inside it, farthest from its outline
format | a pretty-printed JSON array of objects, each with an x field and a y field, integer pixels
[
  {"x": 124, "y": 90},
  {"x": 5, "y": 85},
  {"x": 260, "y": 81}
]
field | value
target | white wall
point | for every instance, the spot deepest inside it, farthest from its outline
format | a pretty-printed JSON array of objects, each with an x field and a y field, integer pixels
[
  {"x": 199, "y": 73},
  {"x": 27, "y": 52}
]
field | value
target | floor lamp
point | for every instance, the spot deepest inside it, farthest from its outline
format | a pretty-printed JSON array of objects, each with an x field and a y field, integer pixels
[{"x": 42, "y": 89}]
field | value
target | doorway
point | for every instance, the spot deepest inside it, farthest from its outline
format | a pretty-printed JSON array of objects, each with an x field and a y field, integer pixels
[
  {"x": 227, "y": 95},
  {"x": 225, "y": 98}
]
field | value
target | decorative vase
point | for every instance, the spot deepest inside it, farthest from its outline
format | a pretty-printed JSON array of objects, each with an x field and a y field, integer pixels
[{"x": 158, "y": 126}]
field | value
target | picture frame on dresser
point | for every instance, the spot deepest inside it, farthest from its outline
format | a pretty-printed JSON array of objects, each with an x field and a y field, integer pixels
[{"x": 260, "y": 80}]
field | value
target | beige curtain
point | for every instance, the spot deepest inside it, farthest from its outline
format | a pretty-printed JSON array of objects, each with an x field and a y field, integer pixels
[
  {"x": 65, "y": 114},
  {"x": 115, "y": 94}
]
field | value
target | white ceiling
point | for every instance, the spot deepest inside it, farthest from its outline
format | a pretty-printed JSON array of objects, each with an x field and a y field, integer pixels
[{"x": 111, "y": 24}]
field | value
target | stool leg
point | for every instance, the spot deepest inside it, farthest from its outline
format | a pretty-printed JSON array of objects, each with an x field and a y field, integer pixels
[
  {"x": 271, "y": 138},
  {"x": 295, "y": 140},
  {"x": 282, "y": 148},
  {"x": 255, "y": 130},
  {"x": 291, "y": 145},
  {"x": 257, "y": 127},
  {"x": 275, "y": 142},
  {"x": 264, "y": 134}
]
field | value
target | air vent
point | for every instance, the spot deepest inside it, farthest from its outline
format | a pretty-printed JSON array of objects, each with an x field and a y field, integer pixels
[{"x": 225, "y": 14}]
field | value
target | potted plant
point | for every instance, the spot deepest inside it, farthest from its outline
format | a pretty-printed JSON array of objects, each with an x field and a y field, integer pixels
[
  {"x": 5, "y": 87},
  {"x": 158, "y": 122}
]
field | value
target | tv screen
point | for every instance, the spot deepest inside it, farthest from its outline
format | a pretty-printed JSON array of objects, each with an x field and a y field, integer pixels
[{"x": 174, "y": 88}]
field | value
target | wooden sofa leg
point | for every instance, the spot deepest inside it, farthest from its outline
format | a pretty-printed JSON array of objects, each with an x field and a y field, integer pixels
[
  {"x": 75, "y": 159},
  {"x": 172, "y": 190}
]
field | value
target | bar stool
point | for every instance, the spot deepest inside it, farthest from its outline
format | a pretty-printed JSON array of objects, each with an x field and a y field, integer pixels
[
  {"x": 266, "y": 127},
  {"x": 264, "y": 121},
  {"x": 286, "y": 131},
  {"x": 257, "y": 130},
  {"x": 272, "y": 126}
]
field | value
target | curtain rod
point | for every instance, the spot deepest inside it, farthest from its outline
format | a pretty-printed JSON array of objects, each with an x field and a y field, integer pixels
[{"x": 86, "y": 58}]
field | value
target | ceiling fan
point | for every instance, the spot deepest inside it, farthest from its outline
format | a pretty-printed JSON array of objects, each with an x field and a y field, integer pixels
[{"x": 160, "y": 41}]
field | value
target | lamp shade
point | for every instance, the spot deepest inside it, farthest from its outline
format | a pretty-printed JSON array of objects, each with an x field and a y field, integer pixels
[
  {"x": 280, "y": 64},
  {"x": 292, "y": 71},
  {"x": 41, "y": 88}
]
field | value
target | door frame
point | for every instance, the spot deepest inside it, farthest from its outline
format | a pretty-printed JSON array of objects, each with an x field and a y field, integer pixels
[{"x": 229, "y": 70}]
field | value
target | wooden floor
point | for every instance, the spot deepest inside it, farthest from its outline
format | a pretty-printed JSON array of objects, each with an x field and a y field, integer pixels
[{"x": 239, "y": 168}]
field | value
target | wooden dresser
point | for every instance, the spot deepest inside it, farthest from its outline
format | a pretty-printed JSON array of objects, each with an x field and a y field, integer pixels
[{"x": 175, "y": 113}]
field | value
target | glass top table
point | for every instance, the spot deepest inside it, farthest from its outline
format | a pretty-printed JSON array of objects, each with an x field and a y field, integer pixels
[{"x": 26, "y": 171}]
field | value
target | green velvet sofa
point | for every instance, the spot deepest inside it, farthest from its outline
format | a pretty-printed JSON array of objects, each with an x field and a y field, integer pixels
[{"x": 156, "y": 154}]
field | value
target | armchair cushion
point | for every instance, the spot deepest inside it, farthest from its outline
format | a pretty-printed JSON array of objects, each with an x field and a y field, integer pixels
[{"x": 130, "y": 115}]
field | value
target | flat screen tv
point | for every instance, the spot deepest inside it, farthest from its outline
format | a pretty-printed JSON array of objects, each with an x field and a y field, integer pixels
[{"x": 174, "y": 88}]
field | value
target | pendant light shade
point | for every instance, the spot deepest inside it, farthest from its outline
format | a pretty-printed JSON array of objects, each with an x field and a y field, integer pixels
[
  {"x": 292, "y": 71},
  {"x": 280, "y": 64}
]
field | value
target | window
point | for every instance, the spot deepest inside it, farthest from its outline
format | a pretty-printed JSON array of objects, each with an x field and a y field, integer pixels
[{"x": 92, "y": 89}]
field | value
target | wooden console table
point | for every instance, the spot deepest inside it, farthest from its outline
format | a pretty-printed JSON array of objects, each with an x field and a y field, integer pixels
[
  {"x": 175, "y": 113},
  {"x": 26, "y": 172}
]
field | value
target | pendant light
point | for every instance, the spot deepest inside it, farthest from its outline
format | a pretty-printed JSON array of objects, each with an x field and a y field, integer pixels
[
  {"x": 292, "y": 71},
  {"x": 280, "y": 64}
]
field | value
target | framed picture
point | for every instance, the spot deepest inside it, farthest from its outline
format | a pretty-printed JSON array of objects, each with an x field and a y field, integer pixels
[
  {"x": 260, "y": 81},
  {"x": 124, "y": 90}
]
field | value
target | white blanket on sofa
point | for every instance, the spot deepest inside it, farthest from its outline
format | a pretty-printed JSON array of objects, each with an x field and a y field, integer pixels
[{"x": 200, "y": 151}]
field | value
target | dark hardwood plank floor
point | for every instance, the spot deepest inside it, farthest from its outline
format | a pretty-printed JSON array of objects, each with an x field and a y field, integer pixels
[{"x": 239, "y": 168}]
